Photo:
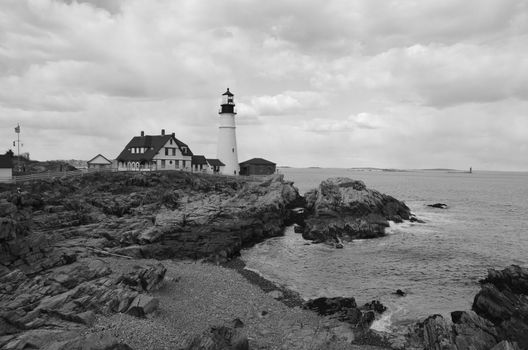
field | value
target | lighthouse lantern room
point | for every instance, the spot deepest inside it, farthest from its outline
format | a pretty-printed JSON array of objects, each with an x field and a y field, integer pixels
[{"x": 227, "y": 147}]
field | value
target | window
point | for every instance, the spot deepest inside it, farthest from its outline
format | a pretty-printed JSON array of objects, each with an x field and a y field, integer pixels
[
  {"x": 177, "y": 163},
  {"x": 183, "y": 164},
  {"x": 170, "y": 161},
  {"x": 232, "y": 149},
  {"x": 166, "y": 151},
  {"x": 174, "y": 151},
  {"x": 170, "y": 141},
  {"x": 163, "y": 163}
]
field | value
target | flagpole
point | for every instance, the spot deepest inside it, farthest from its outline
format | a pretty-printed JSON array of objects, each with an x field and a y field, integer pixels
[{"x": 18, "y": 146}]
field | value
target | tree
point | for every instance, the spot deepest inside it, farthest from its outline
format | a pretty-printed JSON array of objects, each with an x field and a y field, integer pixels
[{"x": 10, "y": 153}]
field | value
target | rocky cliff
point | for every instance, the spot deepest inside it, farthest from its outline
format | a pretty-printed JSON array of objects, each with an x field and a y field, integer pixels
[
  {"x": 346, "y": 208},
  {"x": 158, "y": 215}
]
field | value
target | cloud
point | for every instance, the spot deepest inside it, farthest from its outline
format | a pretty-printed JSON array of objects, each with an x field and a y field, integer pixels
[
  {"x": 287, "y": 102},
  {"x": 402, "y": 83},
  {"x": 363, "y": 121}
]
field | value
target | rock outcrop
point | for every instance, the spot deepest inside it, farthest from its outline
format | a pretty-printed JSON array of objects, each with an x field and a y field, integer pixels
[
  {"x": 159, "y": 215},
  {"x": 346, "y": 310},
  {"x": 346, "y": 208},
  {"x": 499, "y": 319},
  {"x": 70, "y": 296}
]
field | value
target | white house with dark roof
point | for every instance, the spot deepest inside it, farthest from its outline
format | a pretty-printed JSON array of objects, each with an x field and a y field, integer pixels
[
  {"x": 6, "y": 168},
  {"x": 155, "y": 152}
]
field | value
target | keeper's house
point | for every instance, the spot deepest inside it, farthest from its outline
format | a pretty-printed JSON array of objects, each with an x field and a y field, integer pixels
[
  {"x": 6, "y": 168},
  {"x": 257, "y": 166},
  {"x": 155, "y": 152}
]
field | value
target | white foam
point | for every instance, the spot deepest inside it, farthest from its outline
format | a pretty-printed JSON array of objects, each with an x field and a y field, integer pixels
[{"x": 383, "y": 323}]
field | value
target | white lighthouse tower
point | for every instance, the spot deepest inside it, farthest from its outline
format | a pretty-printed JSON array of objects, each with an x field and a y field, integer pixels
[{"x": 227, "y": 147}]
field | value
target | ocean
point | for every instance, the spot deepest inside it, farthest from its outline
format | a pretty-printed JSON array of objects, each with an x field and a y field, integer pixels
[{"x": 438, "y": 264}]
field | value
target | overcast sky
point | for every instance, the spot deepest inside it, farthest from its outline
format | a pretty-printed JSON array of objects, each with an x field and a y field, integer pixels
[{"x": 345, "y": 83}]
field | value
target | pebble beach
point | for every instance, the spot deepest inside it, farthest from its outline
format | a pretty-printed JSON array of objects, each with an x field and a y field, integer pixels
[{"x": 196, "y": 296}]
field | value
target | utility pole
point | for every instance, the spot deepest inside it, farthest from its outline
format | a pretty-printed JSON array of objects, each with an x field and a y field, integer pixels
[{"x": 17, "y": 130}]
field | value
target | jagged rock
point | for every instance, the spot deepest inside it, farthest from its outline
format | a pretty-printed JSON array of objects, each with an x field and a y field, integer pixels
[
  {"x": 345, "y": 309},
  {"x": 471, "y": 330},
  {"x": 144, "y": 278},
  {"x": 499, "y": 319},
  {"x": 376, "y": 306},
  {"x": 342, "y": 207},
  {"x": 437, "y": 334},
  {"x": 503, "y": 299}
]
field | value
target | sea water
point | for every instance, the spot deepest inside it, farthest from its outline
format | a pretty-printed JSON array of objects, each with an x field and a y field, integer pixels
[{"x": 437, "y": 263}]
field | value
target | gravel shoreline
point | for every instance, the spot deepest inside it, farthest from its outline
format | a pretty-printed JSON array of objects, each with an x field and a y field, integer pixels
[{"x": 196, "y": 296}]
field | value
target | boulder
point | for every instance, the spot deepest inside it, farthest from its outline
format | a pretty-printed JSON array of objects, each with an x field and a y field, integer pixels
[
  {"x": 469, "y": 329},
  {"x": 342, "y": 207},
  {"x": 400, "y": 293},
  {"x": 143, "y": 305}
]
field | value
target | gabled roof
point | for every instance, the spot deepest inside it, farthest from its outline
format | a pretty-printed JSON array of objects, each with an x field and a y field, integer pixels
[
  {"x": 153, "y": 143},
  {"x": 6, "y": 162},
  {"x": 215, "y": 162},
  {"x": 257, "y": 161},
  {"x": 99, "y": 155},
  {"x": 228, "y": 93},
  {"x": 198, "y": 160}
]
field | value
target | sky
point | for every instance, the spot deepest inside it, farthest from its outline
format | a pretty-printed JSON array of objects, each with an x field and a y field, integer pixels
[{"x": 338, "y": 83}]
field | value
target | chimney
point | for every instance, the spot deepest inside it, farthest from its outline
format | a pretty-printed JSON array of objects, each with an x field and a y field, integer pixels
[
  {"x": 163, "y": 131},
  {"x": 142, "y": 133}
]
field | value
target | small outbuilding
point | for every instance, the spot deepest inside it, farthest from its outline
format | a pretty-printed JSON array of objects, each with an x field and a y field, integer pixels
[
  {"x": 199, "y": 163},
  {"x": 257, "y": 166},
  {"x": 216, "y": 165},
  {"x": 6, "y": 168},
  {"x": 99, "y": 162}
]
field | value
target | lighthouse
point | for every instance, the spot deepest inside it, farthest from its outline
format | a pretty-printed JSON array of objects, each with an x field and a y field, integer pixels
[{"x": 227, "y": 147}]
